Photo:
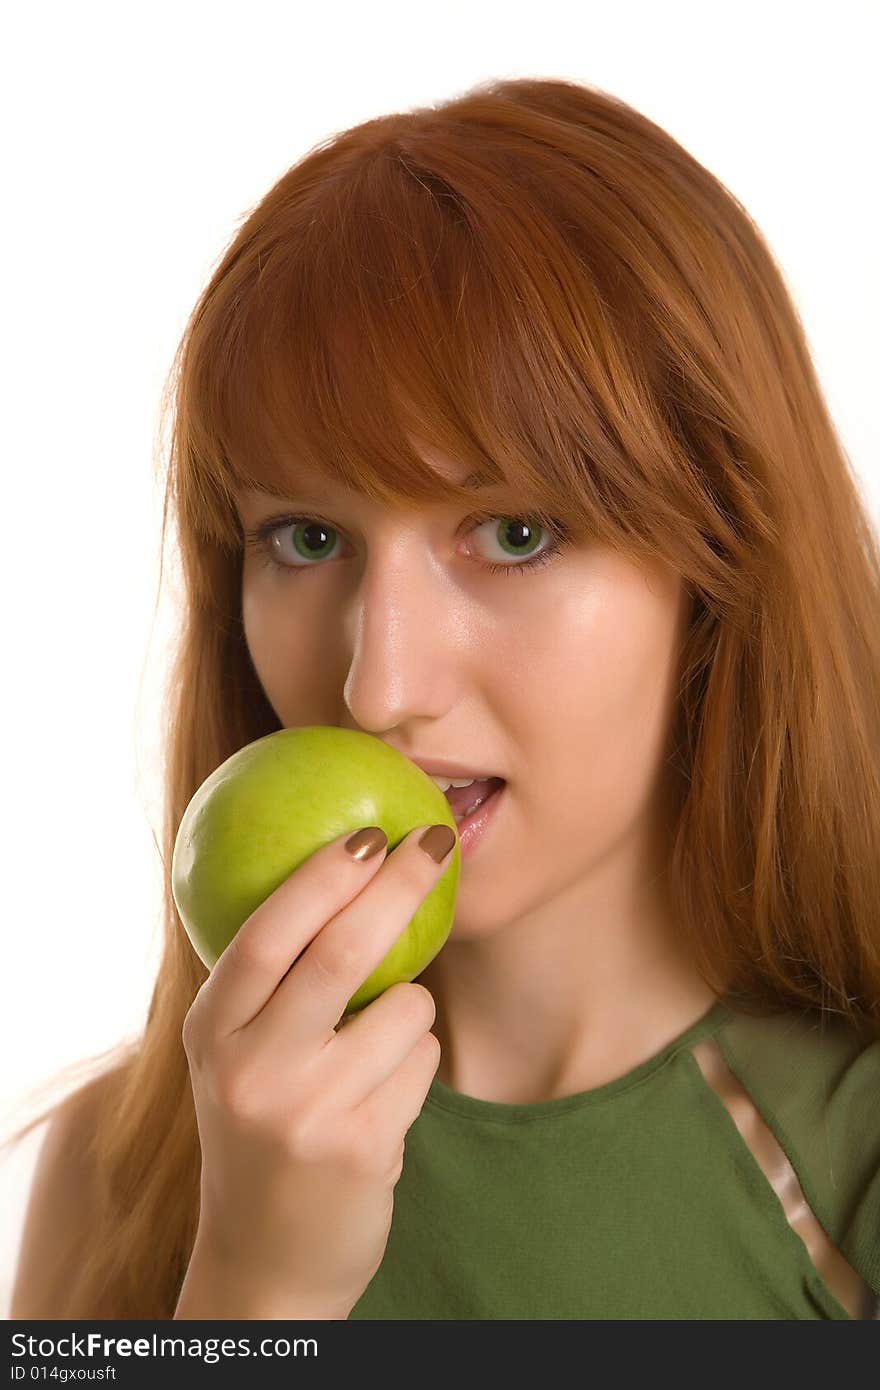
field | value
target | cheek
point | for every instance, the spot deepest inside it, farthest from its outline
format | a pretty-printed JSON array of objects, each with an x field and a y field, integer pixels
[
  {"x": 292, "y": 662},
  {"x": 600, "y": 721},
  {"x": 266, "y": 638}
]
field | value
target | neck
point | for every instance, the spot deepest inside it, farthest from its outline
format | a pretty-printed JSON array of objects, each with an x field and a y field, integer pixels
[{"x": 570, "y": 996}]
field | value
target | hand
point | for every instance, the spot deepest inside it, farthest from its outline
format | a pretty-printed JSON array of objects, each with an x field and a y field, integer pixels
[{"x": 301, "y": 1126}]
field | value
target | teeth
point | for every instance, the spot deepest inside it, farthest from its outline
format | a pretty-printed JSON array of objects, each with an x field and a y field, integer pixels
[{"x": 444, "y": 783}]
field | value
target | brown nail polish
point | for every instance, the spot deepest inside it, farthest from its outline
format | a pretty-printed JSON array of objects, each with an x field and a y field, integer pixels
[
  {"x": 437, "y": 841},
  {"x": 363, "y": 844}
]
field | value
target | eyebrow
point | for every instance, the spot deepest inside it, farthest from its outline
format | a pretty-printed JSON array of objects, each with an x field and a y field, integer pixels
[{"x": 478, "y": 481}]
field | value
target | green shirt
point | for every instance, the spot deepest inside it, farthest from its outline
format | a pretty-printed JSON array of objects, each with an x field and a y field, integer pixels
[{"x": 641, "y": 1198}]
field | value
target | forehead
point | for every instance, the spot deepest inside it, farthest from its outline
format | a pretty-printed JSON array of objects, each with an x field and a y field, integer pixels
[{"x": 313, "y": 483}]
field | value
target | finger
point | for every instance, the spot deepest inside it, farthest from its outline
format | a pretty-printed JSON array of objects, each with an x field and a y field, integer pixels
[
  {"x": 375, "y": 1042},
  {"x": 261, "y": 953},
  {"x": 311, "y": 1000},
  {"x": 395, "y": 1105}
]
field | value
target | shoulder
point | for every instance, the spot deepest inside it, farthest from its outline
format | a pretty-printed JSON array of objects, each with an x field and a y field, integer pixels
[
  {"x": 816, "y": 1084},
  {"x": 805, "y": 1063},
  {"x": 61, "y": 1204}
]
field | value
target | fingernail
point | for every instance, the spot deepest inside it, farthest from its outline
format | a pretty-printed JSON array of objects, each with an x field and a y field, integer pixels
[
  {"x": 365, "y": 843},
  {"x": 437, "y": 841}
]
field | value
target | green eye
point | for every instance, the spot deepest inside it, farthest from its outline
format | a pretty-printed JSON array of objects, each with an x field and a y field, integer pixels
[
  {"x": 517, "y": 537},
  {"x": 314, "y": 540}
]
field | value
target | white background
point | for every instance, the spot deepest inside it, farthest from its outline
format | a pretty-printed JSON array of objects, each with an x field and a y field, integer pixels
[{"x": 135, "y": 141}]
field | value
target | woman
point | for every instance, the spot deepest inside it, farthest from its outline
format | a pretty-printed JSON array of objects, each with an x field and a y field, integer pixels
[{"x": 522, "y": 333}]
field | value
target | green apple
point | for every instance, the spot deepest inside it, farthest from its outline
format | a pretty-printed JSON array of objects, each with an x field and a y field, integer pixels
[{"x": 276, "y": 801}]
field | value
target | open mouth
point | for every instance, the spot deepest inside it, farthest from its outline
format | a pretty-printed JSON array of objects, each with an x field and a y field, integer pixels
[{"x": 463, "y": 801}]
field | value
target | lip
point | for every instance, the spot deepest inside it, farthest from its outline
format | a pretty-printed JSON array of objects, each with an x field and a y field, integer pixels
[
  {"x": 472, "y": 828},
  {"x": 439, "y": 767}
]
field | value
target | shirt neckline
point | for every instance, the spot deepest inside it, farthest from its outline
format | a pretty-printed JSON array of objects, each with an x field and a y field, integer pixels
[{"x": 442, "y": 1097}]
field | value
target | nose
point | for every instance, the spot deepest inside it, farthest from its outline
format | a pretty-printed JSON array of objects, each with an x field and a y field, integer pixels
[{"x": 404, "y": 636}]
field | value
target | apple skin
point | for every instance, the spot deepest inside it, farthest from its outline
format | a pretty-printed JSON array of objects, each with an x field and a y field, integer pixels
[{"x": 276, "y": 801}]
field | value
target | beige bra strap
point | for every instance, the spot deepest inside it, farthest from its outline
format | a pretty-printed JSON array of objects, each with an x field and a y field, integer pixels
[{"x": 846, "y": 1285}]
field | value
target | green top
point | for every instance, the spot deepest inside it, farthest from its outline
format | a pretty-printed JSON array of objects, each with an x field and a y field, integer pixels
[{"x": 640, "y": 1198}]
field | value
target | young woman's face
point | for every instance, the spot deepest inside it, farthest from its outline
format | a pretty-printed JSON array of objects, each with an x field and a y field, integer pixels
[{"x": 560, "y": 677}]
